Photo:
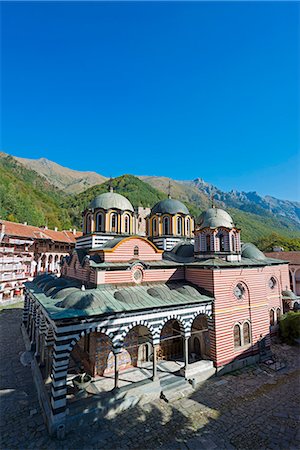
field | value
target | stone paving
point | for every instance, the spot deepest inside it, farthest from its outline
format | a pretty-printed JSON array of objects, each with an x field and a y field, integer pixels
[{"x": 256, "y": 408}]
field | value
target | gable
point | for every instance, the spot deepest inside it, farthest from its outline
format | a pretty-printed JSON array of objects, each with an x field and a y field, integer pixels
[{"x": 133, "y": 248}]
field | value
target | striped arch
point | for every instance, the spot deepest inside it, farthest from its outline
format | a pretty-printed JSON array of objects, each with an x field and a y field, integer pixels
[
  {"x": 118, "y": 340},
  {"x": 182, "y": 324},
  {"x": 191, "y": 320},
  {"x": 87, "y": 331}
]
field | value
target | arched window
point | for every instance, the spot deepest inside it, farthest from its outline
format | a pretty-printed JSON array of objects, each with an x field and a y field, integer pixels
[
  {"x": 188, "y": 223},
  {"x": 88, "y": 223},
  {"x": 221, "y": 242},
  {"x": 246, "y": 333},
  {"x": 232, "y": 243},
  {"x": 154, "y": 224},
  {"x": 127, "y": 224},
  {"x": 136, "y": 251},
  {"x": 237, "y": 336},
  {"x": 114, "y": 223},
  {"x": 166, "y": 226},
  {"x": 179, "y": 226},
  {"x": 278, "y": 313},
  {"x": 100, "y": 222},
  {"x": 272, "y": 283},
  {"x": 208, "y": 248},
  {"x": 272, "y": 317}
]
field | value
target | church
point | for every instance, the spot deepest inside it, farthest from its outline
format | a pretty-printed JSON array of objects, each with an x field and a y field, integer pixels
[{"x": 189, "y": 298}]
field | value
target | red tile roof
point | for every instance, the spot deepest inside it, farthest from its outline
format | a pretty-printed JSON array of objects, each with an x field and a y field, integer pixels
[
  {"x": 31, "y": 232},
  {"x": 292, "y": 257}
]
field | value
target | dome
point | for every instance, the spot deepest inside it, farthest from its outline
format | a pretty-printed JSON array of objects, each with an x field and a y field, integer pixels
[
  {"x": 111, "y": 200},
  {"x": 169, "y": 206},
  {"x": 80, "y": 300},
  {"x": 215, "y": 218},
  {"x": 251, "y": 252},
  {"x": 289, "y": 294}
]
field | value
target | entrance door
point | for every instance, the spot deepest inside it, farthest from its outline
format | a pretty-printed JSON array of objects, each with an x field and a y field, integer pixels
[{"x": 144, "y": 353}]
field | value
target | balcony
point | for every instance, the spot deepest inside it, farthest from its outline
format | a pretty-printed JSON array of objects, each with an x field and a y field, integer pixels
[{"x": 13, "y": 277}]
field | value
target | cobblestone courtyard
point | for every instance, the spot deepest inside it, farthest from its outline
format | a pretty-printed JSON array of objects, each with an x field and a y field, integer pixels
[{"x": 251, "y": 409}]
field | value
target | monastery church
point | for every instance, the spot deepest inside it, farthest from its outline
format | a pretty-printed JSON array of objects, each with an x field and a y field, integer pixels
[{"x": 188, "y": 298}]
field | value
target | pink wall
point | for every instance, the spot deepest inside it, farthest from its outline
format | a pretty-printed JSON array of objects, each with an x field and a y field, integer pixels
[{"x": 125, "y": 251}]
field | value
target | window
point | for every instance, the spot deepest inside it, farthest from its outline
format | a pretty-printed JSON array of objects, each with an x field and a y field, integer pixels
[
  {"x": 239, "y": 291},
  {"x": 246, "y": 333},
  {"x": 88, "y": 224},
  {"x": 232, "y": 243},
  {"x": 278, "y": 313},
  {"x": 166, "y": 226},
  {"x": 137, "y": 276},
  {"x": 237, "y": 336},
  {"x": 188, "y": 226},
  {"x": 127, "y": 224},
  {"x": 272, "y": 283},
  {"x": 220, "y": 236},
  {"x": 100, "y": 222},
  {"x": 272, "y": 317},
  {"x": 208, "y": 242},
  {"x": 179, "y": 225},
  {"x": 114, "y": 223},
  {"x": 154, "y": 227},
  {"x": 136, "y": 251}
]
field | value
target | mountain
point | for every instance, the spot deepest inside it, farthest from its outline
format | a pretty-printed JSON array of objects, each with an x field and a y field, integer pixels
[
  {"x": 137, "y": 192},
  {"x": 27, "y": 197},
  {"x": 250, "y": 201},
  {"x": 68, "y": 180}
]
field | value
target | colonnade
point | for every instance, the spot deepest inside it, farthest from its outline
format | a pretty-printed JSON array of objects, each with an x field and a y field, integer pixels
[{"x": 50, "y": 262}]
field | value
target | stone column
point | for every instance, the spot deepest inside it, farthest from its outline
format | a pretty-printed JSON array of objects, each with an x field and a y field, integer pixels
[{"x": 154, "y": 372}]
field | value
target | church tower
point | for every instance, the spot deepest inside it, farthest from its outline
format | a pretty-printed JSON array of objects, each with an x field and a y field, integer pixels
[
  {"x": 108, "y": 216},
  {"x": 169, "y": 223},
  {"x": 217, "y": 236}
]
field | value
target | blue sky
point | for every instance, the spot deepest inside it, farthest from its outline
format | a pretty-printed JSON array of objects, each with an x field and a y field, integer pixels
[{"x": 183, "y": 90}]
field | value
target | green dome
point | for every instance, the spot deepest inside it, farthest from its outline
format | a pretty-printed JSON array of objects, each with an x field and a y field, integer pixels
[
  {"x": 80, "y": 300},
  {"x": 111, "y": 200},
  {"x": 169, "y": 206},
  {"x": 215, "y": 218},
  {"x": 289, "y": 294},
  {"x": 251, "y": 252}
]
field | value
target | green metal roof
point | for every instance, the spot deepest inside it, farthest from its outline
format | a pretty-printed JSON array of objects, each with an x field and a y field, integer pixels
[
  {"x": 110, "y": 299},
  {"x": 111, "y": 200},
  {"x": 215, "y": 218},
  {"x": 169, "y": 206}
]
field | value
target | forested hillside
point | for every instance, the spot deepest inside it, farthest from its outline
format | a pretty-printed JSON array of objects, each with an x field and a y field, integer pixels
[{"x": 27, "y": 197}]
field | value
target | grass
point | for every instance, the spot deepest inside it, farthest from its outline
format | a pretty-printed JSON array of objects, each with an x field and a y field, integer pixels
[{"x": 18, "y": 305}]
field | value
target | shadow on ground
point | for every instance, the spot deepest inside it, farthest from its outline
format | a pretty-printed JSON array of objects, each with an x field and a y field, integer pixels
[{"x": 253, "y": 408}]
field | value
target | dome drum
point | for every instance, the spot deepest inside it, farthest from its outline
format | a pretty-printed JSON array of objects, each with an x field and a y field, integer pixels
[
  {"x": 109, "y": 214},
  {"x": 216, "y": 234},
  {"x": 169, "y": 223}
]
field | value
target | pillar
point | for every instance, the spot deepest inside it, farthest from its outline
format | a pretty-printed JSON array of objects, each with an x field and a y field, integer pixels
[
  {"x": 92, "y": 223},
  {"x": 116, "y": 353},
  {"x": 59, "y": 372},
  {"x": 37, "y": 335},
  {"x": 294, "y": 281},
  {"x": 154, "y": 372},
  {"x": 186, "y": 352},
  {"x": 39, "y": 265}
]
